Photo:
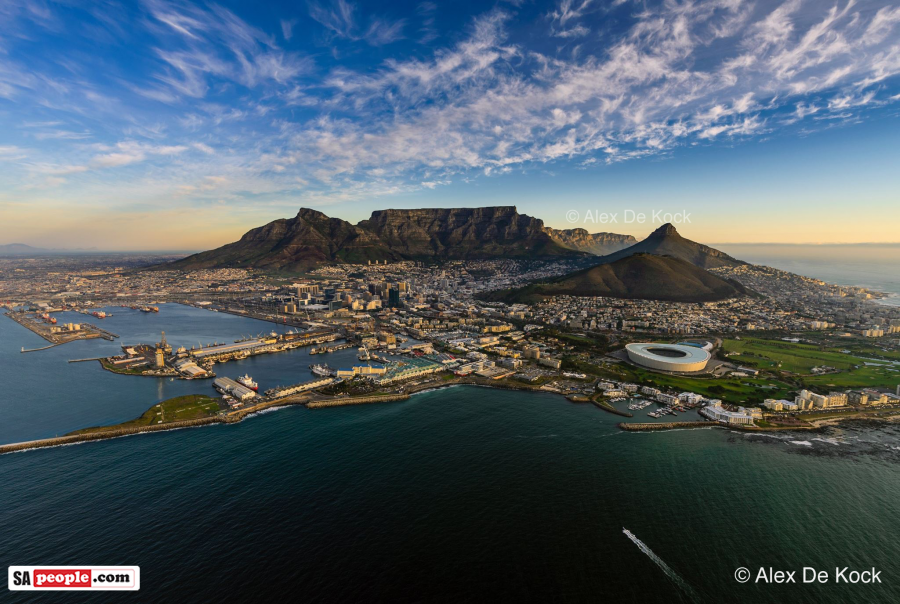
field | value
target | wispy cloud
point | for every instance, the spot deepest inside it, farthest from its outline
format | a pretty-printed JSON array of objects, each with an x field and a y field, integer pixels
[
  {"x": 217, "y": 44},
  {"x": 215, "y": 97},
  {"x": 564, "y": 20},
  {"x": 340, "y": 19}
]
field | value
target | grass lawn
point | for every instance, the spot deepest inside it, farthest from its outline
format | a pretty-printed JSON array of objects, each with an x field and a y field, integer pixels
[
  {"x": 125, "y": 370},
  {"x": 191, "y": 406},
  {"x": 796, "y": 358}
]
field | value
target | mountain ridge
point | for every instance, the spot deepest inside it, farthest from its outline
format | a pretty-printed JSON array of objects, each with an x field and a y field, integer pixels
[
  {"x": 598, "y": 244},
  {"x": 312, "y": 238},
  {"x": 639, "y": 276}
]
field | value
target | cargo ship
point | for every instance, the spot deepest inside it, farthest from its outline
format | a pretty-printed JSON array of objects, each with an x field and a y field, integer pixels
[{"x": 247, "y": 381}]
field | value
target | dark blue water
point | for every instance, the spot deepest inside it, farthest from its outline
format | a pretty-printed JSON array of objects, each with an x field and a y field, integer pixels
[
  {"x": 463, "y": 494},
  {"x": 45, "y": 395}
]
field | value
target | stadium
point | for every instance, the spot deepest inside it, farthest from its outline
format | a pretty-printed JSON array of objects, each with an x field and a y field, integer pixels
[{"x": 669, "y": 357}]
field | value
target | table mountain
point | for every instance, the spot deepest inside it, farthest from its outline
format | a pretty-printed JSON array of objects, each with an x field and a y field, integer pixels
[{"x": 312, "y": 238}]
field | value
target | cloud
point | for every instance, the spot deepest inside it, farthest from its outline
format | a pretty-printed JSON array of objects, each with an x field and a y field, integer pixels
[
  {"x": 570, "y": 11},
  {"x": 129, "y": 152},
  {"x": 339, "y": 18},
  {"x": 217, "y": 44},
  {"x": 61, "y": 134},
  {"x": 287, "y": 28},
  {"x": 591, "y": 83}
]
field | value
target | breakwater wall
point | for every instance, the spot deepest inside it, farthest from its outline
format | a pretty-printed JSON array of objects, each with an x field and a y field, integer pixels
[
  {"x": 236, "y": 416},
  {"x": 71, "y": 439},
  {"x": 610, "y": 409},
  {"x": 357, "y": 400},
  {"x": 742, "y": 427},
  {"x": 636, "y": 427}
]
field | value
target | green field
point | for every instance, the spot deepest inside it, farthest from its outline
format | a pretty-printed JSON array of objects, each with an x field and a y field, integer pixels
[
  {"x": 799, "y": 359},
  {"x": 191, "y": 406},
  {"x": 730, "y": 390}
]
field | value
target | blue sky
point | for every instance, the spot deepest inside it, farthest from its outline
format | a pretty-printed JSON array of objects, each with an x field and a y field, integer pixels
[{"x": 169, "y": 125}]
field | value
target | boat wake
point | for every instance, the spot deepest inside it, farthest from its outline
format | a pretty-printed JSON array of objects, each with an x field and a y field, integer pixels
[{"x": 671, "y": 574}]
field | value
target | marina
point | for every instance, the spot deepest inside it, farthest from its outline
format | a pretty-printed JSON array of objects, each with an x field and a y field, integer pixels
[{"x": 329, "y": 349}]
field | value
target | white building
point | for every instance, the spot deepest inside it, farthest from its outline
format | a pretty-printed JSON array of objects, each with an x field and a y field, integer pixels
[{"x": 716, "y": 412}]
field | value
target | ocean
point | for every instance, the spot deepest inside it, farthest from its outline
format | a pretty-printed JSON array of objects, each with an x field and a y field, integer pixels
[
  {"x": 460, "y": 494},
  {"x": 464, "y": 494},
  {"x": 874, "y": 266}
]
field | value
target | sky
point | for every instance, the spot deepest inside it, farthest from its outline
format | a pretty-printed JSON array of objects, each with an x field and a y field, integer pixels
[{"x": 169, "y": 125}]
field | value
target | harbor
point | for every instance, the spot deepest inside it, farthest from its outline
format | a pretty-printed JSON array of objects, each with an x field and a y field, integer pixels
[{"x": 197, "y": 362}]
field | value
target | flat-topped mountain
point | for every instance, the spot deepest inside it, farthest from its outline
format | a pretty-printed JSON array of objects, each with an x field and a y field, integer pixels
[
  {"x": 665, "y": 241},
  {"x": 461, "y": 233},
  {"x": 312, "y": 238},
  {"x": 598, "y": 244},
  {"x": 638, "y": 276}
]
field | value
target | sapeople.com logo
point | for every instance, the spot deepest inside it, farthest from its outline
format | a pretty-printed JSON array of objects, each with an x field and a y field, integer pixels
[{"x": 74, "y": 578}]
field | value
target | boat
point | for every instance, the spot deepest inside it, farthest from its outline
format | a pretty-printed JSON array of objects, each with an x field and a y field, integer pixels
[
  {"x": 99, "y": 314},
  {"x": 322, "y": 370},
  {"x": 247, "y": 381}
]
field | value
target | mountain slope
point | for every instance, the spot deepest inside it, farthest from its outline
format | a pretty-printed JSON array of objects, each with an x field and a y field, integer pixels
[
  {"x": 638, "y": 276},
  {"x": 665, "y": 241},
  {"x": 17, "y": 249},
  {"x": 312, "y": 238},
  {"x": 459, "y": 233},
  {"x": 291, "y": 244},
  {"x": 597, "y": 244}
]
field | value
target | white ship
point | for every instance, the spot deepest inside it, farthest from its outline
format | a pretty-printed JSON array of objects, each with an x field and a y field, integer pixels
[
  {"x": 247, "y": 381},
  {"x": 322, "y": 370}
]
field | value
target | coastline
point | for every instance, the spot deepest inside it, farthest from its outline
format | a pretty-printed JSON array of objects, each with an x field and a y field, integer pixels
[{"x": 110, "y": 432}]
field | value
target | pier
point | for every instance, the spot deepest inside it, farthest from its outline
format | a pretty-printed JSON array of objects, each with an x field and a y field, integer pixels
[
  {"x": 326, "y": 349},
  {"x": 41, "y": 348},
  {"x": 56, "y": 334}
]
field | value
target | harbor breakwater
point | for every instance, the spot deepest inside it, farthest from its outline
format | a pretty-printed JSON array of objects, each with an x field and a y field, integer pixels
[
  {"x": 647, "y": 427},
  {"x": 229, "y": 418},
  {"x": 71, "y": 439},
  {"x": 357, "y": 400}
]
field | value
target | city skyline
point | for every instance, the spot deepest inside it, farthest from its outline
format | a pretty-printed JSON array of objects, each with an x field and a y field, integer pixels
[{"x": 163, "y": 125}]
